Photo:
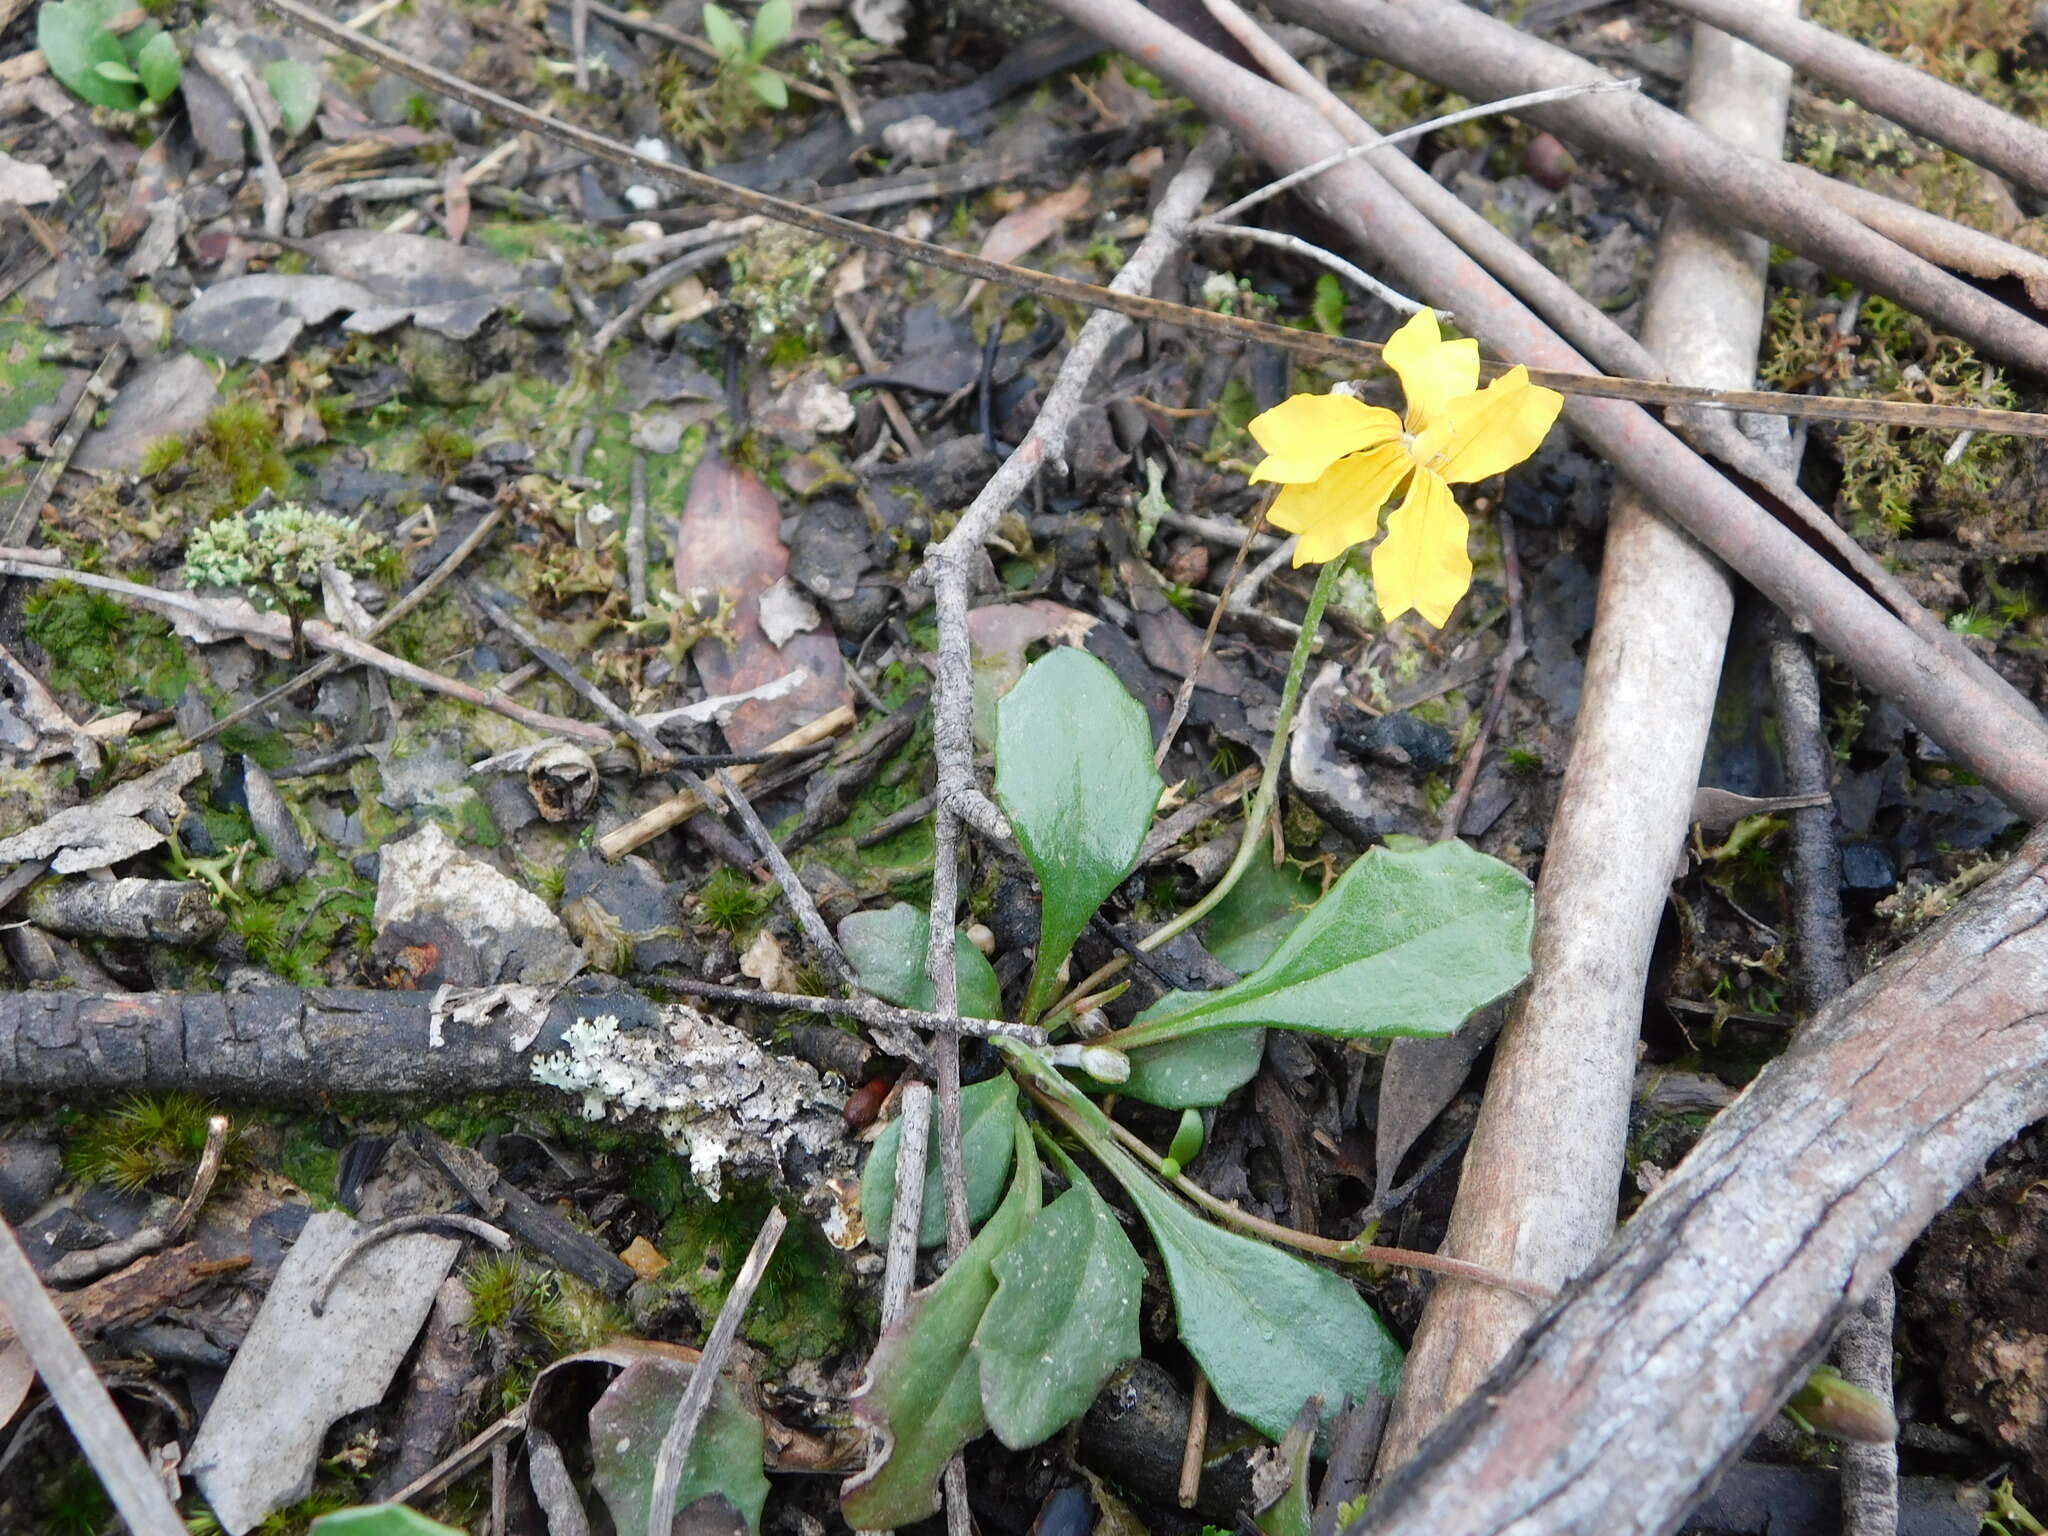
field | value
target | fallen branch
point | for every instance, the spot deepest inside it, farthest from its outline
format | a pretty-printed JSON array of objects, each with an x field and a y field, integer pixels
[
  {"x": 1460, "y": 47},
  {"x": 1995, "y": 733},
  {"x": 1910, "y": 97},
  {"x": 1564, "y": 1068},
  {"x": 1623, "y": 1404}
]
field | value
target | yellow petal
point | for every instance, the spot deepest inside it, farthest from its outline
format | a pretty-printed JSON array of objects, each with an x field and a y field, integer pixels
[
  {"x": 1305, "y": 434},
  {"x": 1433, "y": 372},
  {"x": 1497, "y": 428},
  {"x": 1421, "y": 563},
  {"x": 1343, "y": 507}
]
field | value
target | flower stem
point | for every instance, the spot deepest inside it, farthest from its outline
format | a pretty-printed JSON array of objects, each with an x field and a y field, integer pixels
[{"x": 1262, "y": 802}]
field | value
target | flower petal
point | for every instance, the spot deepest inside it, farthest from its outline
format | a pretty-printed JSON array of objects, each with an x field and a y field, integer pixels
[
  {"x": 1490, "y": 431},
  {"x": 1433, "y": 372},
  {"x": 1343, "y": 507},
  {"x": 1305, "y": 434},
  {"x": 1421, "y": 563}
]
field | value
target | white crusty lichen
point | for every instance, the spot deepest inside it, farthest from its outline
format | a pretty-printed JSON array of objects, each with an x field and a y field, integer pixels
[{"x": 719, "y": 1099}]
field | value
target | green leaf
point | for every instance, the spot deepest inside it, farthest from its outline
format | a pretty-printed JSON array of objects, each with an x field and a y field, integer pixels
[
  {"x": 722, "y": 32},
  {"x": 1202, "y": 1069},
  {"x": 1290, "y": 1513},
  {"x": 887, "y": 948},
  {"x": 626, "y": 1430},
  {"x": 923, "y": 1391},
  {"x": 380, "y": 1520},
  {"x": 770, "y": 88},
  {"x": 1405, "y": 943},
  {"x": 75, "y": 41},
  {"x": 1327, "y": 310},
  {"x": 160, "y": 67},
  {"x": 1074, "y": 774},
  {"x": 108, "y": 70},
  {"x": 988, "y": 1121},
  {"x": 1064, "y": 1317},
  {"x": 1269, "y": 1330},
  {"x": 1186, "y": 1145},
  {"x": 771, "y": 25},
  {"x": 296, "y": 88},
  {"x": 1261, "y": 910}
]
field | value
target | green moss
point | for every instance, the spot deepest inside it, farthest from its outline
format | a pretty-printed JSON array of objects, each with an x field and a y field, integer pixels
[
  {"x": 292, "y": 931},
  {"x": 101, "y": 648},
  {"x": 806, "y": 1307},
  {"x": 309, "y": 1162},
  {"x": 730, "y": 902},
  {"x": 236, "y": 454},
  {"x": 150, "y": 1140},
  {"x": 442, "y": 450},
  {"x": 163, "y": 454},
  {"x": 1892, "y": 480}
]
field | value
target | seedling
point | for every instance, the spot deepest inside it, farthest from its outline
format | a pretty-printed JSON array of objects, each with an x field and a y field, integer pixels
[
  {"x": 743, "y": 53},
  {"x": 144, "y": 68}
]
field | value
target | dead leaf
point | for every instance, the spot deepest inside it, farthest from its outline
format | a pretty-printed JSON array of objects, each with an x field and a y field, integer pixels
[
  {"x": 27, "y": 184},
  {"x": 110, "y": 828},
  {"x": 1016, "y": 235},
  {"x": 643, "y": 1258},
  {"x": 168, "y": 397},
  {"x": 730, "y": 540},
  {"x": 296, "y": 1373}
]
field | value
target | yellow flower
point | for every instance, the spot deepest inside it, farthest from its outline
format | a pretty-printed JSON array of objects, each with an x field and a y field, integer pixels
[{"x": 1338, "y": 461}]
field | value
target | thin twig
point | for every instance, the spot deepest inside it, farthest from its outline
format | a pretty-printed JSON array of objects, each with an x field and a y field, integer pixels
[
  {"x": 704, "y": 1376},
  {"x": 864, "y": 354},
  {"x": 1281, "y": 241},
  {"x": 1510, "y": 656},
  {"x": 398, "y": 1226},
  {"x": 654, "y": 285},
  {"x": 277, "y": 197},
  {"x": 948, "y": 567},
  {"x": 91, "y": 399},
  {"x": 867, "y": 1010},
  {"x": 913, "y": 1155},
  {"x": 621, "y": 719},
  {"x": 1136, "y": 304},
  {"x": 1195, "y": 1447},
  {"x": 1184, "y": 695},
  {"x": 794, "y": 891},
  {"x": 1400, "y": 135},
  {"x": 96, "y": 1425},
  {"x": 636, "y": 539},
  {"x": 684, "y": 804}
]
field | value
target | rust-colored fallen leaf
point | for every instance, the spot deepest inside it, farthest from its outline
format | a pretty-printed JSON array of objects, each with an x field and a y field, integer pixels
[
  {"x": 1017, "y": 234},
  {"x": 729, "y": 540}
]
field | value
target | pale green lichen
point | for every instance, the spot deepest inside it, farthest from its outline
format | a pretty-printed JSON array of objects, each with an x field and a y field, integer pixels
[{"x": 281, "y": 546}]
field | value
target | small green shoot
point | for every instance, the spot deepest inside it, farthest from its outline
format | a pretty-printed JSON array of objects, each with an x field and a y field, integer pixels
[
  {"x": 150, "y": 1140},
  {"x": 743, "y": 54}
]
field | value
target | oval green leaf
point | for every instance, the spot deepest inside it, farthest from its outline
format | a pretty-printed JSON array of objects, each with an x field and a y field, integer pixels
[
  {"x": 1269, "y": 1330},
  {"x": 160, "y": 66},
  {"x": 296, "y": 88},
  {"x": 722, "y": 32},
  {"x": 887, "y": 949},
  {"x": 988, "y": 1122},
  {"x": 1074, "y": 774},
  {"x": 1201, "y": 1069},
  {"x": 769, "y": 87},
  {"x": 626, "y": 1430},
  {"x": 1405, "y": 943},
  {"x": 1064, "y": 1317},
  {"x": 771, "y": 25},
  {"x": 75, "y": 42},
  {"x": 923, "y": 1392}
]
